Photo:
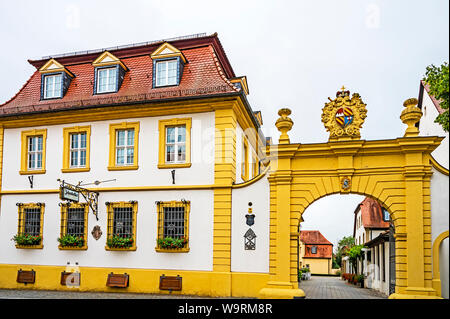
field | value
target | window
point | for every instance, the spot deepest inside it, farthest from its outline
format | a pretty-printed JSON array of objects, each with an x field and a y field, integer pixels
[
  {"x": 386, "y": 217},
  {"x": 121, "y": 225},
  {"x": 73, "y": 226},
  {"x": 174, "y": 143},
  {"x": 244, "y": 161},
  {"x": 314, "y": 250},
  {"x": 29, "y": 234},
  {"x": 53, "y": 86},
  {"x": 124, "y": 146},
  {"x": 76, "y": 149},
  {"x": 166, "y": 73},
  {"x": 33, "y": 152},
  {"x": 255, "y": 165},
  {"x": 106, "y": 80},
  {"x": 173, "y": 226}
]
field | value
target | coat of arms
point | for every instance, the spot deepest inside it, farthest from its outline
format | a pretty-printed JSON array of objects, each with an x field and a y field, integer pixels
[{"x": 344, "y": 116}]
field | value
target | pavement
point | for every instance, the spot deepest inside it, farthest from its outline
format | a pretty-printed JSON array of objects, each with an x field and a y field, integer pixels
[{"x": 325, "y": 287}]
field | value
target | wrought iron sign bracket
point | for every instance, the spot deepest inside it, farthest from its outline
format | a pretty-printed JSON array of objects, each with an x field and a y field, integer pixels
[{"x": 70, "y": 193}]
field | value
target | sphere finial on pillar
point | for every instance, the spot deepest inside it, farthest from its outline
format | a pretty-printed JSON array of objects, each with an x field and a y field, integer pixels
[
  {"x": 284, "y": 125},
  {"x": 410, "y": 116}
]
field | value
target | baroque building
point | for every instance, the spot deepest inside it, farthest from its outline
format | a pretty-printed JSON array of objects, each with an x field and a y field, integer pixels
[{"x": 119, "y": 167}]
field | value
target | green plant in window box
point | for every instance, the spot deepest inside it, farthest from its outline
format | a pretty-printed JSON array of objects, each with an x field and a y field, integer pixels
[
  {"x": 71, "y": 241},
  {"x": 169, "y": 242},
  {"x": 119, "y": 242},
  {"x": 27, "y": 239}
]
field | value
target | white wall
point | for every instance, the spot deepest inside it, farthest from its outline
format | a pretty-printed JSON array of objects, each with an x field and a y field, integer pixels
[
  {"x": 200, "y": 233},
  {"x": 200, "y": 173},
  {"x": 427, "y": 127},
  {"x": 250, "y": 260}
]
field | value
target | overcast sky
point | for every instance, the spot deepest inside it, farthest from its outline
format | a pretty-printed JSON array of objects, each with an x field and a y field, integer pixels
[{"x": 295, "y": 54}]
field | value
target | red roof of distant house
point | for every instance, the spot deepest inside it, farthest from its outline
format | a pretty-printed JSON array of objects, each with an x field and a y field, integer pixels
[
  {"x": 207, "y": 73},
  {"x": 371, "y": 214},
  {"x": 436, "y": 103},
  {"x": 315, "y": 238}
]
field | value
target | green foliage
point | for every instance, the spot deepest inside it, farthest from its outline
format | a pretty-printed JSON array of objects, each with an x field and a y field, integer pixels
[
  {"x": 71, "y": 241},
  {"x": 344, "y": 243},
  {"x": 27, "y": 239},
  {"x": 119, "y": 242},
  {"x": 354, "y": 253},
  {"x": 438, "y": 80},
  {"x": 359, "y": 278},
  {"x": 169, "y": 242}
]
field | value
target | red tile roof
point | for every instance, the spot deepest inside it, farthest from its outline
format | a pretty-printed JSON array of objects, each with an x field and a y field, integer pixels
[
  {"x": 436, "y": 103},
  {"x": 206, "y": 74},
  {"x": 314, "y": 238},
  {"x": 371, "y": 214}
]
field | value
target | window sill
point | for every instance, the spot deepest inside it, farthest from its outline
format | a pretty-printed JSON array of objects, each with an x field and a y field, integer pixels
[
  {"x": 121, "y": 249},
  {"x": 38, "y": 171},
  {"x": 176, "y": 165},
  {"x": 72, "y": 248},
  {"x": 75, "y": 170},
  {"x": 30, "y": 246},
  {"x": 123, "y": 168},
  {"x": 172, "y": 250}
]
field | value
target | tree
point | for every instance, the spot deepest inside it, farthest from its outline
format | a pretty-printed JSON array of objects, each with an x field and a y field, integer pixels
[
  {"x": 437, "y": 79},
  {"x": 353, "y": 254},
  {"x": 343, "y": 244}
]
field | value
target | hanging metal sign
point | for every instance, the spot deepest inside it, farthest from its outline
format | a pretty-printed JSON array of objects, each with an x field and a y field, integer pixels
[
  {"x": 66, "y": 193},
  {"x": 72, "y": 193}
]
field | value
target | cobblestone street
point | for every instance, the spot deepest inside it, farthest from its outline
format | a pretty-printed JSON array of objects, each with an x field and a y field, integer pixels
[{"x": 334, "y": 288}]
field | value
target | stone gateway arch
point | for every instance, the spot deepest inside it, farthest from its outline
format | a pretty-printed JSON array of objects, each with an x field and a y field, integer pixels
[{"x": 396, "y": 172}]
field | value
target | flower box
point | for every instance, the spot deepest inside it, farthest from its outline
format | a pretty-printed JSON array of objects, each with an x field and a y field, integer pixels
[{"x": 27, "y": 240}]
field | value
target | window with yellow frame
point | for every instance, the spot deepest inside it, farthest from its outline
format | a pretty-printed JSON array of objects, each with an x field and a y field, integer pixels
[
  {"x": 244, "y": 161},
  {"x": 173, "y": 226},
  {"x": 123, "y": 146},
  {"x": 74, "y": 219},
  {"x": 121, "y": 234},
  {"x": 30, "y": 225},
  {"x": 76, "y": 151},
  {"x": 255, "y": 165},
  {"x": 175, "y": 143},
  {"x": 33, "y": 150}
]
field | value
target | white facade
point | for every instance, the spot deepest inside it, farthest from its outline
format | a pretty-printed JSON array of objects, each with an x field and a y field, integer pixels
[{"x": 439, "y": 186}]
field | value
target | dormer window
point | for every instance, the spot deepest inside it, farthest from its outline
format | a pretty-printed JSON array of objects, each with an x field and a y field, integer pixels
[
  {"x": 168, "y": 65},
  {"x": 55, "y": 80},
  {"x": 53, "y": 86},
  {"x": 109, "y": 73},
  {"x": 166, "y": 73},
  {"x": 106, "y": 80}
]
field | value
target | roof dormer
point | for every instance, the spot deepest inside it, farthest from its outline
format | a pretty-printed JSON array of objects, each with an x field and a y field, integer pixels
[
  {"x": 109, "y": 73},
  {"x": 168, "y": 65},
  {"x": 55, "y": 80}
]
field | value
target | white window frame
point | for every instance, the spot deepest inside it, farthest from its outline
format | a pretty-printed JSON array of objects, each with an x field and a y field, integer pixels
[
  {"x": 166, "y": 77},
  {"x": 78, "y": 150},
  {"x": 33, "y": 165},
  {"x": 175, "y": 144},
  {"x": 55, "y": 92},
  {"x": 107, "y": 78},
  {"x": 125, "y": 147}
]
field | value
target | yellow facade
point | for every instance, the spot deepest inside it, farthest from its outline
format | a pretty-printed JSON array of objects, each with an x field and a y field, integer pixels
[{"x": 319, "y": 266}]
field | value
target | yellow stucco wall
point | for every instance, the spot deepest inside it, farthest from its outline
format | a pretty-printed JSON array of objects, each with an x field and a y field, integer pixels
[{"x": 320, "y": 266}]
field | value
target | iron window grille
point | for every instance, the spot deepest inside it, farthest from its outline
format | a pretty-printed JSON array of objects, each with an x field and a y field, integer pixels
[
  {"x": 122, "y": 224},
  {"x": 30, "y": 222},
  {"x": 74, "y": 222},
  {"x": 173, "y": 222}
]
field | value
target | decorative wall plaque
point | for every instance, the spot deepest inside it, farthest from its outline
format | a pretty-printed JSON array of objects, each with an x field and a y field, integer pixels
[
  {"x": 250, "y": 240},
  {"x": 346, "y": 183},
  {"x": 96, "y": 232}
]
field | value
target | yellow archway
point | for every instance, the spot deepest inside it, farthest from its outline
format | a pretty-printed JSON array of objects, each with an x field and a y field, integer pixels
[{"x": 396, "y": 172}]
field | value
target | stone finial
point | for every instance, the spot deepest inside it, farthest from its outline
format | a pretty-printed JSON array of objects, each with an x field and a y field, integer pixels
[
  {"x": 410, "y": 116},
  {"x": 284, "y": 125}
]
